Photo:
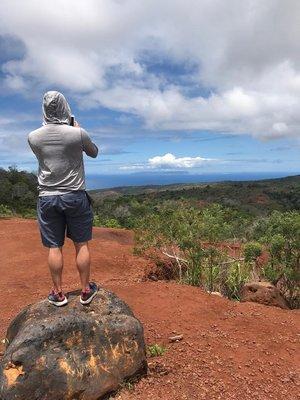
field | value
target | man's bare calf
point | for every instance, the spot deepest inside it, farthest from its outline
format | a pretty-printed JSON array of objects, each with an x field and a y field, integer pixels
[
  {"x": 83, "y": 263},
  {"x": 56, "y": 263}
]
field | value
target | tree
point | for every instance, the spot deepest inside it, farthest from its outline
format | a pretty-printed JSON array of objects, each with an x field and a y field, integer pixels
[{"x": 280, "y": 233}]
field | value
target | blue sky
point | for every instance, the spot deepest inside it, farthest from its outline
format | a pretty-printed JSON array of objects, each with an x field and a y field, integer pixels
[{"x": 165, "y": 89}]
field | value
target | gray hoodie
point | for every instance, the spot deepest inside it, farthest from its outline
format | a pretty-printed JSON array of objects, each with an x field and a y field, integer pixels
[{"x": 59, "y": 148}]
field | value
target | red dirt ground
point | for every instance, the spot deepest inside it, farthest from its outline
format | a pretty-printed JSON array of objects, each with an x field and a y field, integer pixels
[{"x": 229, "y": 350}]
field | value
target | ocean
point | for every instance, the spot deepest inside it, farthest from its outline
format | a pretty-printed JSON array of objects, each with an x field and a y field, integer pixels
[{"x": 142, "y": 178}]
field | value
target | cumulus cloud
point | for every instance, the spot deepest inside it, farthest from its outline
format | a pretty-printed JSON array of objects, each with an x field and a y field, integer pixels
[
  {"x": 245, "y": 56},
  {"x": 169, "y": 161}
]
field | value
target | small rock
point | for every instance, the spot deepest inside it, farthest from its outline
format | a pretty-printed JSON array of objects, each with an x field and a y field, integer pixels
[
  {"x": 216, "y": 294},
  {"x": 176, "y": 338}
]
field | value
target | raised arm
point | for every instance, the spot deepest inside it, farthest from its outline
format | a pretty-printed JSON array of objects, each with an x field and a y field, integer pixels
[
  {"x": 88, "y": 146},
  {"x": 30, "y": 144}
]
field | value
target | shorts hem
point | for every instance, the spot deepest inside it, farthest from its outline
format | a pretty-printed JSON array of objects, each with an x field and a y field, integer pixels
[
  {"x": 52, "y": 246},
  {"x": 81, "y": 240}
]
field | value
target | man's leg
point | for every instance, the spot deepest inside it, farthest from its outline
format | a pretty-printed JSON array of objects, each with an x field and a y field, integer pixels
[
  {"x": 83, "y": 263},
  {"x": 55, "y": 262},
  {"x": 79, "y": 216}
]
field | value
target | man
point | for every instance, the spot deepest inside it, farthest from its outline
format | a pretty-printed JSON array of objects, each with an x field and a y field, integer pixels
[{"x": 63, "y": 203}]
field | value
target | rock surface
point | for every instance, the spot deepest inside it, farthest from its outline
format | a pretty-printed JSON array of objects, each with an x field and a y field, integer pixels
[
  {"x": 72, "y": 352},
  {"x": 263, "y": 293}
]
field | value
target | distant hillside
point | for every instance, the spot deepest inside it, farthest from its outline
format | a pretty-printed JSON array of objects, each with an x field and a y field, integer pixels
[{"x": 256, "y": 197}]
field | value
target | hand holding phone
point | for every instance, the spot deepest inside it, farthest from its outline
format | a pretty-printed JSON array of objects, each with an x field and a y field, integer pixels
[{"x": 73, "y": 122}]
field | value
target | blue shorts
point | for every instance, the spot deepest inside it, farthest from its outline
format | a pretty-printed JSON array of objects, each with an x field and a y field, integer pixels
[{"x": 69, "y": 214}]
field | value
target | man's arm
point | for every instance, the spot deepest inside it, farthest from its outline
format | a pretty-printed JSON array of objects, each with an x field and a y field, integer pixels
[
  {"x": 30, "y": 144},
  {"x": 88, "y": 146}
]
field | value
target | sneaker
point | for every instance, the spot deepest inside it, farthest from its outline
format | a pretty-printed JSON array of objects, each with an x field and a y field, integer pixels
[
  {"x": 57, "y": 299},
  {"x": 88, "y": 294}
]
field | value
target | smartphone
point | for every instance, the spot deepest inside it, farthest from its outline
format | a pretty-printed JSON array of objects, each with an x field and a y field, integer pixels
[{"x": 72, "y": 120}]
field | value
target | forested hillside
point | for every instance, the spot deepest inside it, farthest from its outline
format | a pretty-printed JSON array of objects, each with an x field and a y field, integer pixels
[
  {"x": 18, "y": 191},
  {"x": 251, "y": 198}
]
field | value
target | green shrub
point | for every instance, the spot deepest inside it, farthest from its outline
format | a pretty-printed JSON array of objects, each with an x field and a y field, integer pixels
[
  {"x": 97, "y": 220},
  {"x": 252, "y": 250},
  {"x": 5, "y": 211},
  {"x": 107, "y": 223},
  {"x": 237, "y": 275},
  {"x": 280, "y": 233},
  {"x": 112, "y": 223},
  {"x": 156, "y": 350},
  {"x": 30, "y": 214}
]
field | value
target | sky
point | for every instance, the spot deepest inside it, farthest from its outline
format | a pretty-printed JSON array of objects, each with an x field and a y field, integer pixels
[{"x": 165, "y": 88}]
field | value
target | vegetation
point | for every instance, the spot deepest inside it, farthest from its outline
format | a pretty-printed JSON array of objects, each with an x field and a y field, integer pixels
[
  {"x": 280, "y": 234},
  {"x": 204, "y": 249},
  {"x": 156, "y": 350},
  {"x": 249, "y": 197},
  {"x": 18, "y": 192},
  {"x": 5, "y": 211}
]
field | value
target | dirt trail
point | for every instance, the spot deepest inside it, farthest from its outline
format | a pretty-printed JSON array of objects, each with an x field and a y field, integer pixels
[{"x": 229, "y": 350}]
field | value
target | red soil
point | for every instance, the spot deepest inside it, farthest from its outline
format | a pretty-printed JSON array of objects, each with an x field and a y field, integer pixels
[
  {"x": 229, "y": 350},
  {"x": 261, "y": 199}
]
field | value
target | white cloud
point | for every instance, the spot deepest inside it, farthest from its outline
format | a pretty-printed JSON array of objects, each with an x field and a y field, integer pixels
[
  {"x": 13, "y": 136},
  {"x": 169, "y": 161},
  {"x": 246, "y": 56},
  {"x": 280, "y": 127}
]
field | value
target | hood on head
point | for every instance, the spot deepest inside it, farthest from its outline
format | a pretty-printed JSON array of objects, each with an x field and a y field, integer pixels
[{"x": 56, "y": 109}]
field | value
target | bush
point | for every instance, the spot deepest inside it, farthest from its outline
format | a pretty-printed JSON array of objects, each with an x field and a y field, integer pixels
[
  {"x": 29, "y": 214},
  {"x": 237, "y": 275},
  {"x": 5, "y": 211},
  {"x": 112, "y": 223},
  {"x": 156, "y": 350},
  {"x": 280, "y": 233},
  {"x": 252, "y": 250},
  {"x": 190, "y": 238}
]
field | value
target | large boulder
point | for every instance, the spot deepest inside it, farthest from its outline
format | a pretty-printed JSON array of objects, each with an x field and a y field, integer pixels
[
  {"x": 72, "y": 352},
  {"x": 263, "y": 293}
]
